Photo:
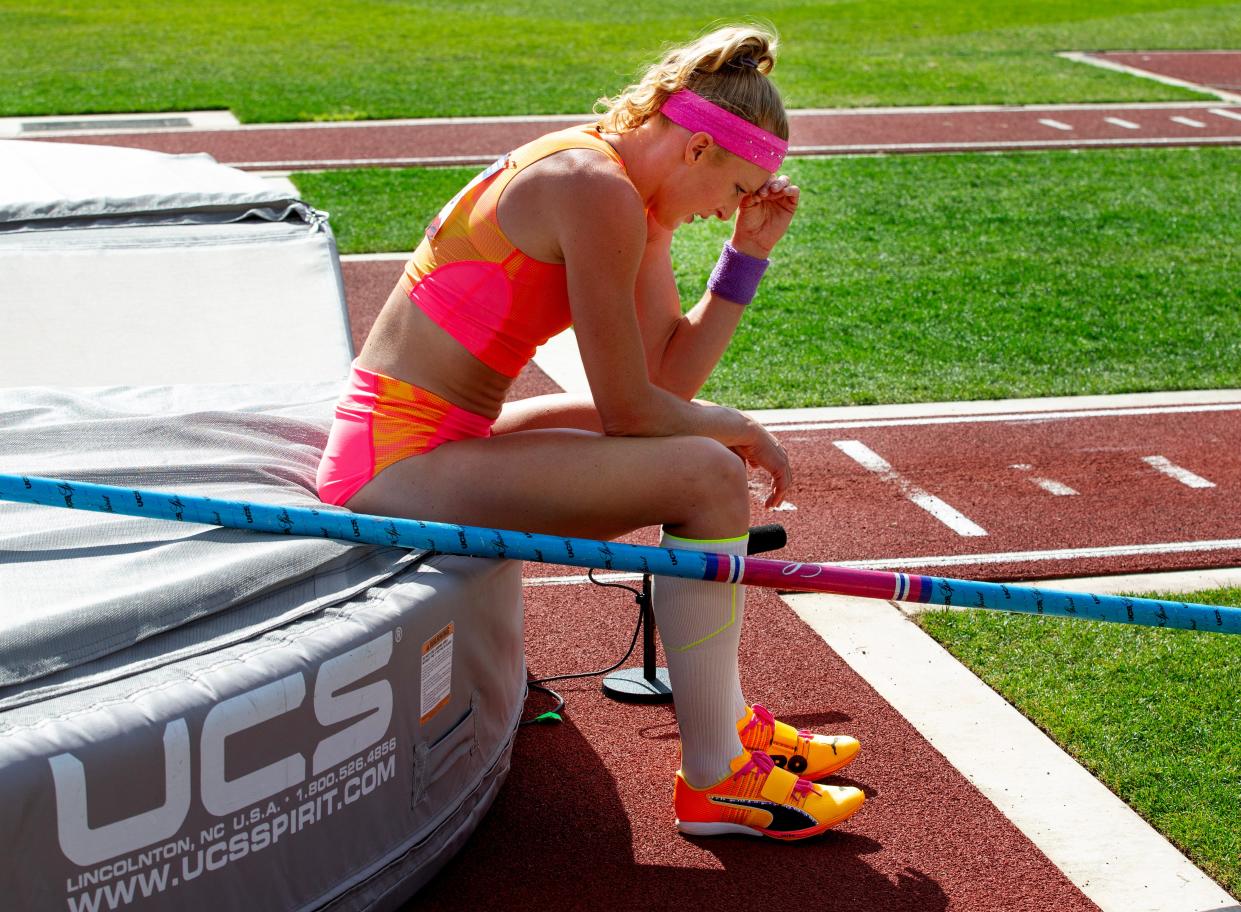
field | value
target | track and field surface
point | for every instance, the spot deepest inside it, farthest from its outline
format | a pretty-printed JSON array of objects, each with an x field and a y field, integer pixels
[
  {"x": 1217, "y": 70},
  {"x": 585, "y": 819},
  {"x": 837, "y": 132},
  {"x": 1080, "y": 490}
]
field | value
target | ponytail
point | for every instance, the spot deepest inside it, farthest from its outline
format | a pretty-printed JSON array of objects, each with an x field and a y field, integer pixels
[{"x": 728, "y": 67}]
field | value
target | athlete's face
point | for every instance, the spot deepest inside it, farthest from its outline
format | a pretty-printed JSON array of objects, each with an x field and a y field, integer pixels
[{"x": 711, "y": 183}]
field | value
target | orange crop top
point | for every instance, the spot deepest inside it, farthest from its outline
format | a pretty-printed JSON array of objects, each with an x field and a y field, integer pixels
[{"x": 475, "y": 284}]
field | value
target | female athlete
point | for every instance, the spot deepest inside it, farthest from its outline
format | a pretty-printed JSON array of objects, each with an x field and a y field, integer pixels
[{"x": 575, "y": 228}]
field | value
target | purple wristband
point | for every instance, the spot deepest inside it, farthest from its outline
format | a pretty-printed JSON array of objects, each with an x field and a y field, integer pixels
[{"x": 736, "y": 275}]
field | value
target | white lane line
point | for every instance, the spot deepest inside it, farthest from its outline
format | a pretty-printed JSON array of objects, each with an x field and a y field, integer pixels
[
  {"x": 412, "y": 162},
  {"x": 872, "y": 461},
  {"x": 985, "y": 419},
  {"x": 1127, "y": 124},
  {"x": 1047, "y": 484},
  {"x": 1188, "y": 121},
  {"x": 1058, "y": 554},
  {"x": 579, "y": 578},
  {"x": 775, "y": 417},
  {"x": 1113, "y": 856},
  {"x": 1220, "y": 112},
  {"x": 1172, "y": 470},
  {"x": 1054, "y": 124},
  {"x": 860, "y": 149},
  {"x": 955, "y": 146},
  {"x": 1081, "y": 57},
  {"x": 374, "y": 257}
]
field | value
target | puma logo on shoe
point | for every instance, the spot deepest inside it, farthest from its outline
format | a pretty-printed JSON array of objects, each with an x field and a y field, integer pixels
[{"x": 784, "y": 819}]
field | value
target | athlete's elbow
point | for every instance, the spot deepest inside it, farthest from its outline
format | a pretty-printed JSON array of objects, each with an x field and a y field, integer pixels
[{"x": 684, "y": 388}]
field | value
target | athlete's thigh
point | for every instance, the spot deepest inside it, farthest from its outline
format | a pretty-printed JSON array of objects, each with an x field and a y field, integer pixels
[{"x": 561, "y": 481}]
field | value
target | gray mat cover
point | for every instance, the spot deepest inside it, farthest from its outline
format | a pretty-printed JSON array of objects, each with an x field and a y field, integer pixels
[{"x": 199, "y": 719}]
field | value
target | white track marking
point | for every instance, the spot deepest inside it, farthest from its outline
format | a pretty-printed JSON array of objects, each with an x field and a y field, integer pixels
[
  {"x": 1127, "y": 124},
  {"x": 411, "y": 162},
  {"x": 1079, "y": 57},
  {"x": 86, "y": 124},
  {"x": 861, "y": 149},
  {"x": 1054, "y": 124},
  {"x": 778, "y": 418},
  {"x": 953, "y": 146},
  {"x": 1047, "y": 484},
  {"x": 1054, "y": 487},
  {"x": 1018, "y": 416},
  {"x": 1220, "y": 112},
  {"x": 576, "y": 579},
  {"x": 1113, "y": 856},
  {"x": 1172, "y": 470},
  {"x": 1059, "y": 554},
  {"x": 872, "y": 461},
  {"x": 374, "y": 257},
  {"x": 1179, "y": 581},
  {"x": 561, "y": 360},
  {"x": 1188, "y": 121}
]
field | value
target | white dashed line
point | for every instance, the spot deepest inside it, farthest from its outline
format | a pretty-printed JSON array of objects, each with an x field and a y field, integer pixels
[
  {"x": 1047, "y": 484},
  {"x": 1127, "y": 124},
  {"x": 872, "y": 461},
  {"x": 1054, "y": 124},
  {"x": 1184, "y": 476},
  {"x": 1220, "y": 112},
  {"x": 1188, "y": 121}
]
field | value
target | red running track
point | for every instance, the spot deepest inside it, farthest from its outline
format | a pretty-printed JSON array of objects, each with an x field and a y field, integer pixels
[
  {"x": 839, "y": 132},
  {"x": 1215, "y": 69},
  {"x": 1038, "y": 488},
  {"x": 585, "y": 819}
]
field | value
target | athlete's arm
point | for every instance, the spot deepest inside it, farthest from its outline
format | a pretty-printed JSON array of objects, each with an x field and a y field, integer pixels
[
  {"x": 600, "y": 226},
  {"x": 681, "y": 349}
]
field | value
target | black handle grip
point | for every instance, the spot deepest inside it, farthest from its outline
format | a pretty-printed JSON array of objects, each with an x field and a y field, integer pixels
[{"x": 769, "y": 537}]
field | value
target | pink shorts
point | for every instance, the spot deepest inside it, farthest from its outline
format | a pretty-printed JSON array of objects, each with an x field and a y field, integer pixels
[{"x": 381, "y": 420}]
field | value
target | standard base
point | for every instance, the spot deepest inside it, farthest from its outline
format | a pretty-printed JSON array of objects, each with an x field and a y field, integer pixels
[{"x": 632, "y": 686}]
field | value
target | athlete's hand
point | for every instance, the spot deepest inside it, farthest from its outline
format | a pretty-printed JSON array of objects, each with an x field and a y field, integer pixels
[
  {"x": 764, "y": 215},
  {"x": 761, "y": 450}
]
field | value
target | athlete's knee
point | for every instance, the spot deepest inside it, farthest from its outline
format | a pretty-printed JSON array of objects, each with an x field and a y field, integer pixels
[
  {"x": 704, "y": 456},
  {"x": 711, "y": 474}
]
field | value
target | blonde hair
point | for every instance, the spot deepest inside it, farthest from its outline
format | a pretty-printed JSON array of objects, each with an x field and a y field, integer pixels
[{"x": 728, "y": 67}]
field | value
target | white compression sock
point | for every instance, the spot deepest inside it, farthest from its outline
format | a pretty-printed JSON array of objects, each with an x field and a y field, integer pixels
[{"x": 700, "y": 626}]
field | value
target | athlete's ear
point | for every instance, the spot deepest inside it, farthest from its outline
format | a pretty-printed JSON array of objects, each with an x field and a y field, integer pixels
[{"x": 697, "y": 147}]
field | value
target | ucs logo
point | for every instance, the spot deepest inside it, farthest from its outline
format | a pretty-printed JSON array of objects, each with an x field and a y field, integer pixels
[{"x": 86, "y": 846}]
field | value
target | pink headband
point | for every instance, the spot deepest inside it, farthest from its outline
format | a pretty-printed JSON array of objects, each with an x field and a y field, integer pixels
[{"x": 736, "y": 134}]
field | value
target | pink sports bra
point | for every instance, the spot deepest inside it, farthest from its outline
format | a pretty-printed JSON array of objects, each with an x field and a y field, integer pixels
[{"x": 469, "y": 278}]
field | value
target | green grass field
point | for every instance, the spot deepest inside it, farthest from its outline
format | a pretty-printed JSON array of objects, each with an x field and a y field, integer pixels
[
  {"x": 1154, "y": 714},
  {"x": 350, "y": 59},
  {"x": 931, "y": 278}
]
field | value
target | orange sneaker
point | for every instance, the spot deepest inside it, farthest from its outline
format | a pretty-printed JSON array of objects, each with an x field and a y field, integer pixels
[
  {"x": 759, "y": 799},
  {"x": 808, "y": 755}
]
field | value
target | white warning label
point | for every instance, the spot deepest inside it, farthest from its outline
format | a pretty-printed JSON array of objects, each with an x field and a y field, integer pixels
[{"x": 436, "y": 673}]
